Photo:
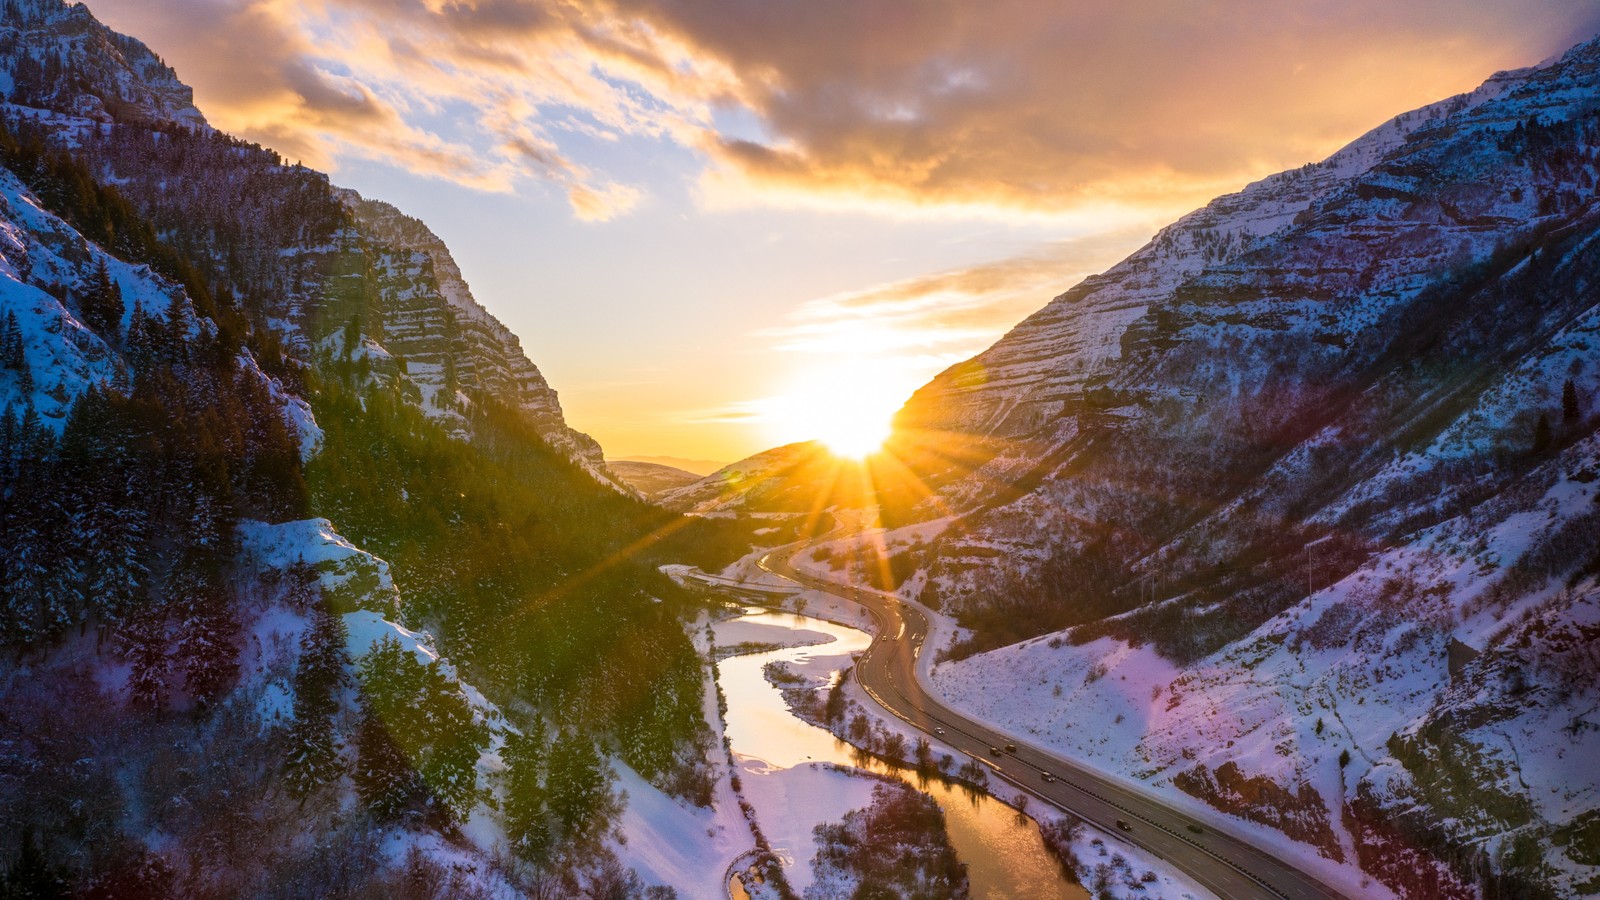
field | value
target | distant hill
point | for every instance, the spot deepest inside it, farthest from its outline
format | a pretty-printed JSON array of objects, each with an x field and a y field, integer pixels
[
  {"x": 651, "y": 479},
  {"x": 795, "y": 478},
  {"x": 700, "y": 467}
]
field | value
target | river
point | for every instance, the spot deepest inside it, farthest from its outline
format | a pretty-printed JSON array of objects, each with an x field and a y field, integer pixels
[{"x": 1004, "y": 854}]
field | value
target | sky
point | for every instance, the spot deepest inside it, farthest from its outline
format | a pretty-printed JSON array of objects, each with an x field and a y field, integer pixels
[{"x": 723, "y": 226}]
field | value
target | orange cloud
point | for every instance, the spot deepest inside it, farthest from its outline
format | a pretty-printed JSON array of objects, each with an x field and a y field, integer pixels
[
  {"x": 1052, "y": 105},
  {"x": 1015, "y": 105}
]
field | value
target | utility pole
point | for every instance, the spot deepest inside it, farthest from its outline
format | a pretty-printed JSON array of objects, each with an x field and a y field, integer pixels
[{"x": 1311, "y": 563}]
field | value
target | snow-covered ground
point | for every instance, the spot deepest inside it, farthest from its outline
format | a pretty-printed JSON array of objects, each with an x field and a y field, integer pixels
[
  {"x": 1107, "y": 867},
  {"x": 348, "y": 573},
  {"x": 1099, "y": 703},
  {"x": 673, "y": 843},
  {"x": 791, "y": 802},
  {"x": 739, "y": 632},
  {"x": 1095, "y": 702}
]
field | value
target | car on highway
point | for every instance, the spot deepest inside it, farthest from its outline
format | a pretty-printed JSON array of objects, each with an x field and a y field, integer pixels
[
  {"x": 1011, "y": 748},
  {"x": 939, "y": 732},
  {"x": 1047, "y": 777},
  {"x": 994, "y": 751},
  {"x": 1195, "y": 828},
  {"x": 1123, "y": 824}
]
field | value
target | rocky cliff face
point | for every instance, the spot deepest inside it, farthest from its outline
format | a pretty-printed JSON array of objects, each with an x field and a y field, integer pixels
[
  {"x": 1045, "y": 365},
  {"x": 59, "y": 57},
  {"x": 318, "y": 258},
  {"x": 454, "y": 348},
  {"x": 1053, "y": 359},
  {"x": 1381, "y": 294}
]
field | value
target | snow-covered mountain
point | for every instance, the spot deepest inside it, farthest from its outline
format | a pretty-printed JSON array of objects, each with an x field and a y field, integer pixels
[
  {"x": 306, "y": 587},
  {"x": 1048, "y": 361},
  {"x": 1293, "y": 511},
  {"x": 58, "y": 56},
  {"x": 65, "y": 72},
  {"x": 1297, "y": 504},
  {"x": 783, "y": 479}
]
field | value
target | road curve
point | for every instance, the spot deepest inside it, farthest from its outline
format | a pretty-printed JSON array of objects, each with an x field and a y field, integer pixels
[{"x": 1223, "y": 861}]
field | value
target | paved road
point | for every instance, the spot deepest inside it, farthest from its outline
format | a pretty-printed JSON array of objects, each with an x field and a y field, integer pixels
[{"x": 1225, "y": 862}]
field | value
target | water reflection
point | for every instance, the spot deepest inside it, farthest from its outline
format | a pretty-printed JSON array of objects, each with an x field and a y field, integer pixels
[{"x": 1004, "y": 855}]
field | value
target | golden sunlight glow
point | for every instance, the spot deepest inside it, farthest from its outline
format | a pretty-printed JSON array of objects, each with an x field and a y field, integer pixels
[
  {"x": 846, "y": 407},
  {"x": 855, "y": 433}
]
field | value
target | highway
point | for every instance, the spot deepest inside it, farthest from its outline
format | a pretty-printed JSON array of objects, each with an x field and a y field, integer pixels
[{"x": 1218, "y": 858}]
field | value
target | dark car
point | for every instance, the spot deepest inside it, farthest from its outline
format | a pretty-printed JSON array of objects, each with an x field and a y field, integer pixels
[
  {"x": 1011, "y": 748},
  {"x": 1122, "y": 824},
  {"x": 1195, "y": 828},
  {"x": 994, "y": 751},
  {"x": 1047, "y": 776}
]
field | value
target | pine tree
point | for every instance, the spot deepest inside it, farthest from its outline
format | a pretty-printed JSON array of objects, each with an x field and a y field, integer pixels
[
  {"x": 207, "y": 630},
  {"x": 143, "y": 636},
  {"x": 31, "y": 876},
  {"x": 143, "y": 342},
  {"x": 34, "y": 603},
  {"x": 33, "y": 440},
  {"x": 11, "y": 350},
  {"x": 323, "y": 653},
  {"x": 117, "y": 570},
  {"x": 312, "y": 757},
  {"x": 352, "y": 335},
  {"x": 304, "y": 591},
  {"x": 10, "y": 428},
  {"x": 579, "y": 783},
  {"x": 1570, "y": 410},
  {"x": 431, "y": 721},
  {"x": 175, "y": 329},
  {"x": 449, "y": 765},
  {"x": 527, "y": 812},
  {"x": 313, "y": 753},
  {"x": 1541, "y": 434},
  {"x": 101, "y": 302},
  {"x": 108, "y": 515},
  {"x": 385, "y": 781}
]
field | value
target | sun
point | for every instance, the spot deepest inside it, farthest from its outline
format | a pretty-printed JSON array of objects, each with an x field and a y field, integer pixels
[
  {"x": 854, "y": 432},
  {"x": 846, "y": 408}
]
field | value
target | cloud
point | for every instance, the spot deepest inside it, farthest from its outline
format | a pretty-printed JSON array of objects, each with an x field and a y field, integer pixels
[
  {"x": 938, "y": 319},
  {"x": 1037, "y": 106},
  {"x": 738, "y": 412},
  {"x": 454, "y": 91},
  {"x": 601, "y": 204},
  {"x": 1052, "y": 105}
]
